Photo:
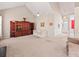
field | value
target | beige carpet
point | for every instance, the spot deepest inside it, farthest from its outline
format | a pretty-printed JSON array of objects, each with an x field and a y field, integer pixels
[{"x": 31, "y": 46}]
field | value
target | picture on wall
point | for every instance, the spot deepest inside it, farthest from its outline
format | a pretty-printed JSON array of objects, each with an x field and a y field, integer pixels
[
  {"x": 72, "y": 23},
  {"x": 50, "y": 23},
  {"x": 42, "y": 24}
]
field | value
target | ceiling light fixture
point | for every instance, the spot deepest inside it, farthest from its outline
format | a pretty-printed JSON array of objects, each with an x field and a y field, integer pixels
[
  {"x": 38, "y": 14},
  {"x": 64, "y": 17}
]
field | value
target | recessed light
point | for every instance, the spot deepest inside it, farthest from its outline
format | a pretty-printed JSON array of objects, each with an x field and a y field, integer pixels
[
  {"x": 64, "y": 17},
  {"x": 37, "y": 14}
]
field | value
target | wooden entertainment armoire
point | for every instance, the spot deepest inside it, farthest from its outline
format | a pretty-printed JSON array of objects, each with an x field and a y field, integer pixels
[{"x": 21, "y": 28}]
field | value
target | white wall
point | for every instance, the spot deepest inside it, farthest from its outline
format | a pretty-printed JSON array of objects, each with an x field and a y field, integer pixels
[
  {"x": 77, "y": 22},
  {"x": 55, "y": 18},
  {"x": 58, "y": 24},
  {"x": 53, "y": 30},
  {"x": 16, "y": 13},
  {"x": 47, "y": 20}
]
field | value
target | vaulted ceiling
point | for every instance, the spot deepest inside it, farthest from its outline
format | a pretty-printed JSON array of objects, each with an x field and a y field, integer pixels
[{"x": 44, "y": 8}]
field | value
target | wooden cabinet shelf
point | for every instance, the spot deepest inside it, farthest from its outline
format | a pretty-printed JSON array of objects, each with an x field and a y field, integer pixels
[{"x": 21, "y": 28}]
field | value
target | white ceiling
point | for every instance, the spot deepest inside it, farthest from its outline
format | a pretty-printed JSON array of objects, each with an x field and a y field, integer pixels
[
  {"x": 43, "y": 8},
  {"x": 6, "y": 5},
  {"x": 67, "y": 7},
  {"x": 76, "y": 4}
]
